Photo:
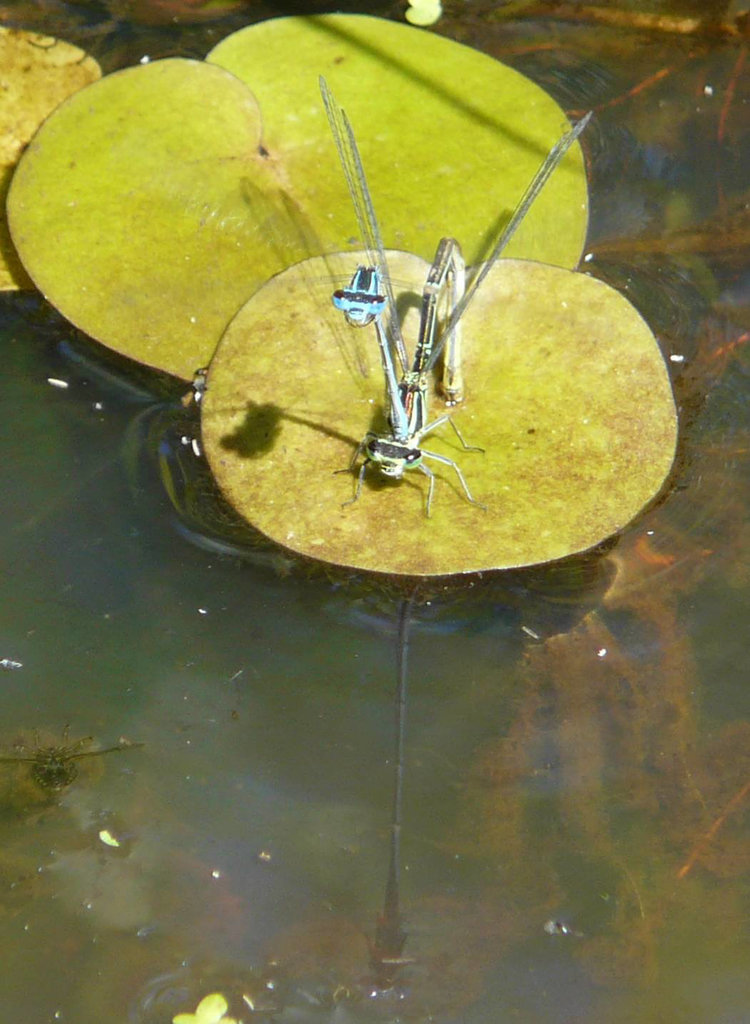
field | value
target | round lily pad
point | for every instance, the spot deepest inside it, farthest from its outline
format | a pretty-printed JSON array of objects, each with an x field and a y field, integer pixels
[
  {"x": 129, "y": 212},
  {"x": 150, "y": 206},
  {"x": 449, "y": 137},
  {"x": 36, "y": 74},
  {"x": 566, "y": 392}
]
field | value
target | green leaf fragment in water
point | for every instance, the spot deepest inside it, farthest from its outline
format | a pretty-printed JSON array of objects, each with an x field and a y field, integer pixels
[
  {"x": 211, "y": 1010},
  {"x": 424, "y": 12}
]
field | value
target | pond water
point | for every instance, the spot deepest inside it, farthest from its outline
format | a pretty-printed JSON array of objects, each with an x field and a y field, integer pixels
[{"x": 574, "y": 840}]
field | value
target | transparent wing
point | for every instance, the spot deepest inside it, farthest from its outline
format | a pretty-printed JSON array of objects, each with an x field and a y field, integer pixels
[
  {"x": 362, "y": 201},
  {"x": 538, "y": 182}
]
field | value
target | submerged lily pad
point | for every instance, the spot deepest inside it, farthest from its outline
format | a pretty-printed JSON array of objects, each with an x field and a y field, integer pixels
[
  {"x": 149, "y": 207},
  {"x": 36, "y": 74},
  {"x": 566, "y": 390}
]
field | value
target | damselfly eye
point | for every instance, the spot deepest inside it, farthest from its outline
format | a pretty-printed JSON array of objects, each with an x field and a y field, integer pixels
[{"x": 444, "y": 302}]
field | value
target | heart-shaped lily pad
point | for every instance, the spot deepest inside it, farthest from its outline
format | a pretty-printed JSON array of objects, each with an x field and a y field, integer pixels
[
  {"x": 149, "y": 207},
  {"x": 36, "y": 74},
  {"x": 566, "y": 390},
  {"x": 128, "y": 211},
  {"x": 449, "y": 137}
]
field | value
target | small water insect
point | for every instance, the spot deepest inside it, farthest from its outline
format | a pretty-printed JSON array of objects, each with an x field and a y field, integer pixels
[
  {"x": 369, "y": 299},
  {"x": 54, "y": 768}
]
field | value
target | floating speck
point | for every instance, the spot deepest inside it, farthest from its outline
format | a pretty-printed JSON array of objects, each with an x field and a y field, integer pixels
[
  {"x": 557, "y": 927},
  {"x": 424, "y": 12}
]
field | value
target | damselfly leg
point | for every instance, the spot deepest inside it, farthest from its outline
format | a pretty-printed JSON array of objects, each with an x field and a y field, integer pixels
[
  {"x": 369, "y": 300},
  {"x": 392, "y": 458}
]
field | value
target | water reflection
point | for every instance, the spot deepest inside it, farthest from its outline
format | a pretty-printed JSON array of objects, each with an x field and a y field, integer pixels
[{"x": 577, "y": 746}]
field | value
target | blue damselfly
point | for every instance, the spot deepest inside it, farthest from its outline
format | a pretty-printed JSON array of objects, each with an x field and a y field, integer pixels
[{"x": 369, "y": 299}]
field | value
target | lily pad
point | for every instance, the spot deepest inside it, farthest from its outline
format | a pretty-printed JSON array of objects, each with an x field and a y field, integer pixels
[
  {"x": 449, "y": 137},
  {"x": 129, "y": 213},
  {"x": 566, "y": 391},
  {"x": 167, "y": 207},
  {"x": 36, "y": 74}
]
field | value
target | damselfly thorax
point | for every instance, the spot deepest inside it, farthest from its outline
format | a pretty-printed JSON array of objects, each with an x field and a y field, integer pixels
[{"x": 369, "y": 300}]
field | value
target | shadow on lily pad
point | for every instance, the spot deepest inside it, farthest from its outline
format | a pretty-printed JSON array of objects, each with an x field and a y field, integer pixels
[
  {"x": 173, "y": 190},
  {"x": 566, "y": 391}
]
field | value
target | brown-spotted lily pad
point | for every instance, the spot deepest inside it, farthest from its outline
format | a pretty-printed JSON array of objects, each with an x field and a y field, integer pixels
[
  {"x": 566, "y": 390},
  {"x": 36, "y": 74}
]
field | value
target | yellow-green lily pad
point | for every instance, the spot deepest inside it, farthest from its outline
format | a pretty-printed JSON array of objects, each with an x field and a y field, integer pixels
[
  {"x": 449, "y": 137},
  {"x": 128, "y": 210},
  {"x": 36, "y": 74},
  {"x": 566, "y": 390},
  {"x": 150, "y": 206}
]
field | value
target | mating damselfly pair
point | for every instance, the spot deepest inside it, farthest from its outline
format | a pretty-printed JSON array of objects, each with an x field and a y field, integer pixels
[{"x": 369, "y": 299}]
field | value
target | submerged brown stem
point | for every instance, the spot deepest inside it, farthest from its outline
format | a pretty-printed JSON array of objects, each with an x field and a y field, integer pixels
[
  {"x": 642, "y": 21},
  {"x": 706, "y": 839}
]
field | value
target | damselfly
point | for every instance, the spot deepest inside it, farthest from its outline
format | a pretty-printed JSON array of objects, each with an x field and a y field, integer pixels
[{"x": 369, "y": 299}]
